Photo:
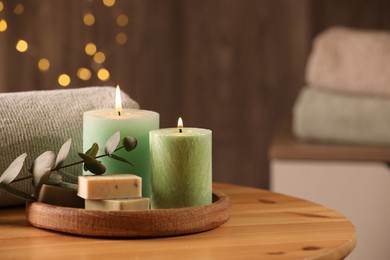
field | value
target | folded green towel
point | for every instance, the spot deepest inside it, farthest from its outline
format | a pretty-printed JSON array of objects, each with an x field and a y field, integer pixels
[
  {"x": 351, "y": 60},
  {"x": 330, "y": 116},
  {"x": 38, "y": 121}
]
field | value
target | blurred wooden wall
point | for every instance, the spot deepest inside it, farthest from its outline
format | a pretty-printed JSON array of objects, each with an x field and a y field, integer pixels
[{"x": 229, "y": 65}]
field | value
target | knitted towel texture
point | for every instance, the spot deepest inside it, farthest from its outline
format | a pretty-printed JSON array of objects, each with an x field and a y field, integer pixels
[
  {"x": 38, "y": 121},
  {"x": 351, "y": 60},
  {"x": 325, "y": 115}
]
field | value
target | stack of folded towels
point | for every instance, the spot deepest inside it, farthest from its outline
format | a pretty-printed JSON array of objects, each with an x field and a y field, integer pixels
[{"x": 347, "y": 99}]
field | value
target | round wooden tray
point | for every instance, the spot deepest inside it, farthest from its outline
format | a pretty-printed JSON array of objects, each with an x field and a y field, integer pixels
[{"x": 143, "y": 223}]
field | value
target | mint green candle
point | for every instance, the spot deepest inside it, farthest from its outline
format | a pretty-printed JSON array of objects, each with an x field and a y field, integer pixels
[
  {"x": 100, "y": 125},
  {"x": 181, "y": 167}
]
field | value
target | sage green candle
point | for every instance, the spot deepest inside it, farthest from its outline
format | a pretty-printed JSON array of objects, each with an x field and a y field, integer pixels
[
  {"x": 100, "y": 125},
  {"x": 180, "y": 167}
]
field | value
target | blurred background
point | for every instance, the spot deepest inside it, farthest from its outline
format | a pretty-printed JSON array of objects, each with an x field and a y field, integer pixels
[{"x": 232, "y": 66}]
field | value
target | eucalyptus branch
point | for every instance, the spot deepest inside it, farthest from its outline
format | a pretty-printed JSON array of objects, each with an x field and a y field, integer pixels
[
  {"x": 48, "y": 165},
  {"x": 96, "y": 157},
  {"x": 72, "y": 164},
  {"x": 117, "y": 149},
  {"x": 22, "y": 179}
]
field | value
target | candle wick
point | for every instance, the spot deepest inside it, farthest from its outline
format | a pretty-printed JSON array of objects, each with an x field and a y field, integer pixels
[
  {"x": 180, "y": 130},
  {"x": 119, "y": 113}
]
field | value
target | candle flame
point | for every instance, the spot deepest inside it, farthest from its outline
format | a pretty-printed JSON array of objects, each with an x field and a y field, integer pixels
[
  {"x": 118, "y": 100},
  {"x": 180, "y": 123}
]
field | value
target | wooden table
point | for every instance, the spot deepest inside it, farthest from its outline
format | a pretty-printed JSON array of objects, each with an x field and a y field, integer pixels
[{"x": 263, "y": 225}]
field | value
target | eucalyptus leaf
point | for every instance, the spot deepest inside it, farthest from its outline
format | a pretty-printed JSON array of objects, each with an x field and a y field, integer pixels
[
  {"x": 42, "y": 164},
  {"x": 93, "y": 165},
  {"x": 44, "y": 177},
  {"x": 54, "y": 178},
  {"x": 113, "y": 156},
  {"x": 112, "y": 143},
  {"x": 86, "y": 157},
  {"x": 93, "y": 150},
  {"x": 130, "y": 143},
  {"x": 63, "y": 153},
  {"x": 16, "y": 193},
  {"x": 13, "y": 169}
]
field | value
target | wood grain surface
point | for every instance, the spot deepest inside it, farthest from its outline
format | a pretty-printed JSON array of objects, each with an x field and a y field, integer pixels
[
  {"x": 134, "y": 223},
  {"x": 263, "y": 225}
]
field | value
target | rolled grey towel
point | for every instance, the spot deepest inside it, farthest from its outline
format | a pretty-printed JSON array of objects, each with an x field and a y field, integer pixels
[
  {"x": 325, "y": 115},
  {"x": 38, "y": 121},
  {"x": 351, "y": 60}
]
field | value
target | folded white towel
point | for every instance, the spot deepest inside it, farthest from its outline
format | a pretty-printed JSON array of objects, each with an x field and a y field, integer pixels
[
  {"x": 38, "y": 121},
  {"x": 351, "y": 60},
  {"x": 333, "y": 117}
]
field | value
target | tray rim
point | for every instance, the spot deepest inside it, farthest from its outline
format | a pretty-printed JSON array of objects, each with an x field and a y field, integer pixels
[{"x": 126, "y": 223}]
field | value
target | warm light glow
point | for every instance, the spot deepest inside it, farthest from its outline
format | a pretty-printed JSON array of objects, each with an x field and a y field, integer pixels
[
  {"x": 122, "y": 20},
  {"x": 118, "y": 100},
  {"x": 19, "y": 9},
  {"x": 1, "y": 6},
  {"x": 180, "y": 123},
  {"x": 103, "y": 74},
  {"x": 109, "y": 3},
  {"x": 99, "y": 57},
  {"x": 22, "y": 46},
  {"x": 64, "y": 80},
  {"x": 43, "y": 64},
  {"x": 121, "y": 38},
  {"x": 89, "y": 19},
  {"x": 3, "y": 25},
  {"x": 84, "y": 73},
  {"x": 90, "y": 49}
]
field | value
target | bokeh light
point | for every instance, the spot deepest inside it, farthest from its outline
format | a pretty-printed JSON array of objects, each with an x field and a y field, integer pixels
[
  {"x": 84, "y": 73},
  {"x": 121, "y": 38},
  {"x": 103, "y": 74},
  {"x": 64, "y": 80},
  {"x": 3, "y": 25},
  {"x": 90, "y": 49},
  {"x": 109, "y": 3},
  {"x": 1, "y": 6},
  {"x": 19, "y": 9},
  {"x": 22, "y": 46},
  {"x": 99, "y": 57},
  {"x": 43, "y": 64},
  {"x": 89, "y": 19},
  {"x": 122, "y": 20}
]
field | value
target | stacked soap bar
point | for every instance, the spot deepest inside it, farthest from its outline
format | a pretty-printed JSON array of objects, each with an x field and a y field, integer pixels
[
  {"x": 118, "y": 204},
  {"x": 112, "y": 192}
]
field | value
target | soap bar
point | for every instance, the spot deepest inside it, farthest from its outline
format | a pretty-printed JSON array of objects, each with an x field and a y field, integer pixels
[
  {"x": 118, "y": 186},
  {"x": 119, "y": 204},
  {"x": 60, "y": 196}
]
